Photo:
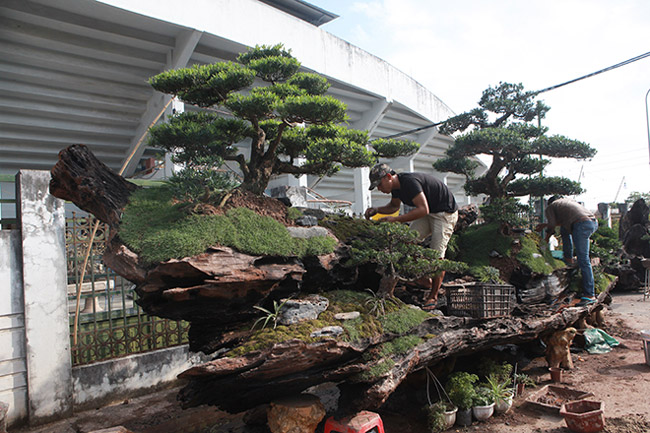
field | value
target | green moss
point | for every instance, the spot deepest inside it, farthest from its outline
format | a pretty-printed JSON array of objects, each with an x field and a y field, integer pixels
[
  {"x": 345, "y": 228},
  {"x": 294, "y": 213},
  {"x": 267, "y": 337},
  {"x": 377, "y": 370},
  {"x": 400, "y": 345},
  {"x": 403, "y": 320},
  {"x": 531, "y": 256},
  {"x": 157, "y": 229}
]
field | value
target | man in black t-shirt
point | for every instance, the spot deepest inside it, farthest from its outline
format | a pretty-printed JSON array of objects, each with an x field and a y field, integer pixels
[{"x": 434, "y": 210}]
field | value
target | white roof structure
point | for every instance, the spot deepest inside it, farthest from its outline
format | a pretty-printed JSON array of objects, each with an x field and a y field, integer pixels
[{"x": 76, "y": 71}]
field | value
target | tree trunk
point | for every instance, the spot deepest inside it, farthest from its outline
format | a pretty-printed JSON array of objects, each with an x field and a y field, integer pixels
[{"x": 83, "y": 179}]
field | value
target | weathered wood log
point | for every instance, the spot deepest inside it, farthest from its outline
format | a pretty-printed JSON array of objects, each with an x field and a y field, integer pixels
[
  {"x": 83, "y": 179},
  {"x": 238, "y": 384}
]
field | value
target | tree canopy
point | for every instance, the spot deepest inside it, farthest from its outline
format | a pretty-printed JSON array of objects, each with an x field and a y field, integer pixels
[
  {"x": 282, "y": 116},
  {"x": 502, "y": 127}
]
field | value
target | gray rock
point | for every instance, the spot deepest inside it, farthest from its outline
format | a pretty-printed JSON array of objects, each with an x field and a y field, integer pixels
[
  {"x": 347, "y": 316},
  {"x": 318, "y": 213},
  {"x": 307, "y": 232},
  {"x": 328, "y": 393},
  {"x": 300, "y": 310},
  {"x": 307, "y": 221},
  {"x": 328, "y": 331},
  {"x": 291, "y": 195}
]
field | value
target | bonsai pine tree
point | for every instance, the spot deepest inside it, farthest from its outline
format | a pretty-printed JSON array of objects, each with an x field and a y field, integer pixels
[
  {"x": 396, "y": 251},
  {"x": 502, "y": 127},
  {"x": 283, "y": 117}
]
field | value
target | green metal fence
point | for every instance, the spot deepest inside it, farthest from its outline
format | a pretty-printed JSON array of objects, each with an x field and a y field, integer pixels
[{"x": 111, "y": 324}]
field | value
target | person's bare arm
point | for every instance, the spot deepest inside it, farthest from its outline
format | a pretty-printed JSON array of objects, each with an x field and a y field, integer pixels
[
  {"x": 420, "y": 210},
  {"x": 389, "y": 208}
]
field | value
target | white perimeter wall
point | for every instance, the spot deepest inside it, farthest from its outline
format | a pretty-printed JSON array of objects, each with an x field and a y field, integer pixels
[
  {"x": 13, "y": 370},
  {"x": 37, "y": 380}
]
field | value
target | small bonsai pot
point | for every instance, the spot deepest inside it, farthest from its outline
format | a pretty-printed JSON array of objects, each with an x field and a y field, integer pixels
[
  {"x": 481, "y": 413},
  {"x": 583, "y": 416}
]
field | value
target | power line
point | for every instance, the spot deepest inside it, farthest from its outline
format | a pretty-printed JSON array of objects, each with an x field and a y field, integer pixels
[{"x": 609, "y": 68}]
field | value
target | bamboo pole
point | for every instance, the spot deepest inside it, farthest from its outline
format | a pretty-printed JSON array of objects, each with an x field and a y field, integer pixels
[{"x": 96, "y": 226}]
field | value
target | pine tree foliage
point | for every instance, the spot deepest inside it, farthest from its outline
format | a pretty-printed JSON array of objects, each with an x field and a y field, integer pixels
[
  {"x": 502, "y": 128},
  {"x": 282, "y": 115}
]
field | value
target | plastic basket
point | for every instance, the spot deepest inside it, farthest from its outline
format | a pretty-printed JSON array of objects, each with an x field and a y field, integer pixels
[{"x": 480, "y": 300}]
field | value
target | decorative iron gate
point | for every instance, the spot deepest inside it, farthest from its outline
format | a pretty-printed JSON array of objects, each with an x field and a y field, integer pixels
[{"x": 110, "y": 323}]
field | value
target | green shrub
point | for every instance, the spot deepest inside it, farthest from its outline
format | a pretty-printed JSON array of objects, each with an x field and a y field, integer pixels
[
  {"x": 436, "y": 417},
  {"x": 506, "y": 211},
  {"x": 460, "y": 388},
  {"x": 477, "y": 242},
  {"x": 190, "y": 184},
  {"x": 486, "y": 274}
]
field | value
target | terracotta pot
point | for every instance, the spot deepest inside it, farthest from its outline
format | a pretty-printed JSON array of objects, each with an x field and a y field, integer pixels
[
  {"x": 583, "y": 416},
  {"x": 520, "y": 389},
  {"x": 556, "y": 374}
]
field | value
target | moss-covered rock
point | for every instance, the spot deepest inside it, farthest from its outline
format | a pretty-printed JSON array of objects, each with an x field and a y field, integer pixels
[{"x": 158, "y": 229}]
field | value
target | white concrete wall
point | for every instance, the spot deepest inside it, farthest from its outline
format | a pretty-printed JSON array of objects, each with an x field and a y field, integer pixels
[
  {"x": 112, "y": 381},
  {"x": 47, "y": 334},
  {"x": 36, "y": 376},
  {"x": 13, "y": 368}
]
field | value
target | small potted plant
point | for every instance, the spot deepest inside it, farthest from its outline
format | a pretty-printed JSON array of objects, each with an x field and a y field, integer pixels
[
  {"x": 460, "y": 388},
  {"x": 440, "y": 416},
  {"x": 522, "y": 379},
  {"x": 501, "y": 393},
  {"x": 482, "y": 404}
]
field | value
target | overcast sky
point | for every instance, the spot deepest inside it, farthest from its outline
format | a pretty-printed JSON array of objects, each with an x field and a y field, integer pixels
[{"x": 457, "y": 49}]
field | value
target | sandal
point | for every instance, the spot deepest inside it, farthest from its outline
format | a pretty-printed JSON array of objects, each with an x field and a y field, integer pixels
[
  {"x": 430, "y": 306},
  {"x": 585, "y": 301}
]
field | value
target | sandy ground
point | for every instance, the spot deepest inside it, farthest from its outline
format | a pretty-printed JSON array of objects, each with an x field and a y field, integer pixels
[{"x": 620, "y": 379}]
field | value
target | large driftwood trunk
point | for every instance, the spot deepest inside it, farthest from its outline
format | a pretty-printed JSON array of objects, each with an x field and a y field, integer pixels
[
  {"x": 216, "y": 290},
  {"x": 241, "y": 383}
]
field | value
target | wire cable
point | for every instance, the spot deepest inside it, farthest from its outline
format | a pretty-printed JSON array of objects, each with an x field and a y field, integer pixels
[{"x": 547, "y": 89}]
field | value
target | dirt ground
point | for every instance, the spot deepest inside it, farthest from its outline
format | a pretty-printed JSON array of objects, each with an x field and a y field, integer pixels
[{"x": 620, "y": 379}]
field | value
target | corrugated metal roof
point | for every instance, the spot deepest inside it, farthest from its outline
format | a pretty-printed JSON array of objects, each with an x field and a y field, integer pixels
[{"x": 76, "y": 71}]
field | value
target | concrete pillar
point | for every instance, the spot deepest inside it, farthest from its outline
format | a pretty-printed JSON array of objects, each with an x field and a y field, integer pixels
[
  {"x": 362, "y": 199},
  {"x": 47, "y": 333}
]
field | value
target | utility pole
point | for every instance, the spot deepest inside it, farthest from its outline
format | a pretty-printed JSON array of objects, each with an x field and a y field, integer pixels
[{"x": 647, "y": 120}]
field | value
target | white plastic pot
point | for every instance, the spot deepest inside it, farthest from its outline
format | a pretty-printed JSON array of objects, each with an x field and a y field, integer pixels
[
  {"x": 503, "y": 405},
  {"x": 481, "y": 413}
]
